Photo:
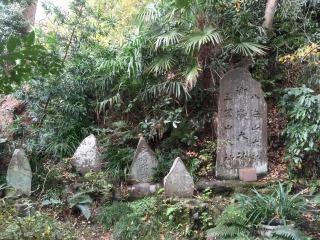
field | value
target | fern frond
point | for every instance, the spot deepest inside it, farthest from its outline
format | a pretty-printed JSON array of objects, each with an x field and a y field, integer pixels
[
  {"x": 228, "y": 231},
  {"x": 290, "y": 233},
  {"x": 79, "y": 198},
  {"x": 51, "y": 201},
  {"x": 233, "y": 215},
  {"x": 197, "y": 39},
  {"x": 85, "y": 210}
]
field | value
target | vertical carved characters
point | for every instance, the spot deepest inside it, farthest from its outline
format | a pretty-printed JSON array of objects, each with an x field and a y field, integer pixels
[
  {"x": 242, "y": 125},
  {"x": 143, "y": 164}
]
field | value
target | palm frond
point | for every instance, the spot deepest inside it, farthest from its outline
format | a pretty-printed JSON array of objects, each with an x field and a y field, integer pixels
[
  {"x": 191, "y": 75},
  {"x": 247, "y": 48},
  {"x": 161, "y": 63},
  {"x": 150, "y": 13},
  {"x": 197, "y": 39},
  {"x": 168, "y": 38},
  {"x": 175, "y": 88},
  {"x": 110, "y": 101}
]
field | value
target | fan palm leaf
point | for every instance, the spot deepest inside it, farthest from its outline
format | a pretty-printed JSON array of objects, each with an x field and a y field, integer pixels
[
  {"x": 175, "y": 88},
  {"x": 168, "y": 38},
  {"x": 150, "y": 13},
  {"x": 247, "y": 48},
  {"x": 161, "y": 63},
  {"x": 197, "y": 39}
]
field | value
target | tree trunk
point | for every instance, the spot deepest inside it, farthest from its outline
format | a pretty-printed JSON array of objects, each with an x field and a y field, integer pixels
[
  {"x": 269, "y": 13},
  {"x": 30, "y": 14}
]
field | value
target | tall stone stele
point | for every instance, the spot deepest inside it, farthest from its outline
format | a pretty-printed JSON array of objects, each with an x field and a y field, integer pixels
[
  {"x": 144, "y": 163},
  {"x": 87, "y": 156},
  {"x": 178, "y": 182},
  {"x": 242, "y": 125},
  {"x": 19, "y": 174}
]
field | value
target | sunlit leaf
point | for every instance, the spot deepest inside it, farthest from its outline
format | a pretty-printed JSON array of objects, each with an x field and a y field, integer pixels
[
  {"x": 191, "y": 75},
  {"x": 196, "y": 40},
  {"x": 168, "y": 38}
]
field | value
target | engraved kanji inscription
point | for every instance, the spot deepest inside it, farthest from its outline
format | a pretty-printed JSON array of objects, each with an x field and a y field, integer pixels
[{"x": 242, "y": 125}]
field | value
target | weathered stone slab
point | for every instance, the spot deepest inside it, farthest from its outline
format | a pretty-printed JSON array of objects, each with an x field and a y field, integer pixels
[
  {"x": 9, "y": 107},
  {"x": 178, "y": 182},
  {"x": 87, "y": 156},
  {"x": 144, "y": 163},
  {"x": 19, "y": 174},
  {"x": 248, "y": 174},
  {"x": 242, "y": 125}
]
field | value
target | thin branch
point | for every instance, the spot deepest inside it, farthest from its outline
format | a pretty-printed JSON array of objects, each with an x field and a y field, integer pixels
[
  {"x": 69, "y": 44},
  {"x": 64, "y": 59}
]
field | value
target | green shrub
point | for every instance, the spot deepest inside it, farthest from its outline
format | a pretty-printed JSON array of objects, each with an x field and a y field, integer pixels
[
  {"x": 135, "y": 220},
  {"x": 302, "y": 108},
  {"x": 118, "y": 161},
  {"x": 207, "y": 158},
  {"x": 277, "y": 205},
  {"x": 81, "y": 201},
  {"x": 12, "y": 20},
  {"x": 153, "y": 217},
  {"x": 37, "y": 226},
  {"x": 165, "y": 158},
  {"x": 240, "y": 220},
  {"x": 232, "y": 223}
]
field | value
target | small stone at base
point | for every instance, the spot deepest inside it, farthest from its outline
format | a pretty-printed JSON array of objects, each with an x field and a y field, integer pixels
[{"x": 248, "y": 174}]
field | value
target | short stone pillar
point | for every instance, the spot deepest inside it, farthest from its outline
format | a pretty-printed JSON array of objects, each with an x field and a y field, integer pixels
[
  {"x": 178, "y": 182},
  {"x": 19, "y": 174},
  {"x": 144, "y": 163}
]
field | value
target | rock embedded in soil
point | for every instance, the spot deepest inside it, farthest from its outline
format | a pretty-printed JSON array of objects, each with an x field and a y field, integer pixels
[{"x": 140, "y": 190}]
